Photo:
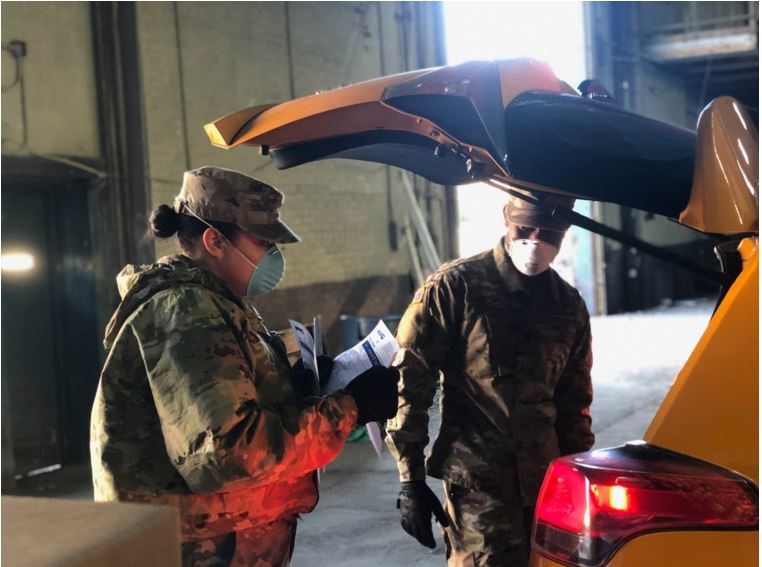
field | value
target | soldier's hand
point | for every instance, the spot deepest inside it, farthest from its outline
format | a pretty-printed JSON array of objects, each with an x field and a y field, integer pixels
[
  {"x": 304, "y": 378},
  {"x": 325, "y": 367},
  {"x": 417, "y": 502},
  {"x": 375, "y": 392}
]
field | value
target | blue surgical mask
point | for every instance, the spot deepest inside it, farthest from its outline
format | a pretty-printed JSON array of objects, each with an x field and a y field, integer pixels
[{"x": 267, "y": 273}]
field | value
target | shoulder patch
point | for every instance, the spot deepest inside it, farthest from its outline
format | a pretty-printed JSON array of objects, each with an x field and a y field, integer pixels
[{"x": 456, "y": 267}]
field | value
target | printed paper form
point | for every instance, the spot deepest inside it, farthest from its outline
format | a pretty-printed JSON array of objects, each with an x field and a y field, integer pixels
[{"x": 377, "y": 349}]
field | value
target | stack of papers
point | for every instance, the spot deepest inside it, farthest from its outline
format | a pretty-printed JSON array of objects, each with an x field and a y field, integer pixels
[{"x": 377, "y": 349}]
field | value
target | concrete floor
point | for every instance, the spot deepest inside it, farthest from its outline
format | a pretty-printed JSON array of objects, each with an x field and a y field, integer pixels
[{"x": 636, "y": 357}]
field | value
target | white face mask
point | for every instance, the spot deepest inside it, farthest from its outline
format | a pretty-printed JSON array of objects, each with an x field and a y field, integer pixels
[{"x": 532, "y": 257}]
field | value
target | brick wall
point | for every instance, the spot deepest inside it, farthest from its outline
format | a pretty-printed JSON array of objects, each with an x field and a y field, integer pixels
[
  {"x": 58, "y": 112},
  {"x": 202, "y": 60},
  {"x": 375, "y": 296}
]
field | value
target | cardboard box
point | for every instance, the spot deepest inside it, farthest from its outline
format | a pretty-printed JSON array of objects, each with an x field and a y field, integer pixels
[{"x": 45, "y": 532}]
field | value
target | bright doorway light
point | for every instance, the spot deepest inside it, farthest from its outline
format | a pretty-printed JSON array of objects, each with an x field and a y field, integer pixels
[
  {"x": 16, "y": 262},
  {"x": 552, "y": 32}
]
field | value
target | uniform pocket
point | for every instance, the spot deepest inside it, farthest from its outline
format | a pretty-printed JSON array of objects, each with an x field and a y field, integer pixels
[
  {"x": 503, "y": 336},
  {"x": 556, "y": 334},
  {"x": 493, "y": 395},
  {"x": 477, "y": 349}
]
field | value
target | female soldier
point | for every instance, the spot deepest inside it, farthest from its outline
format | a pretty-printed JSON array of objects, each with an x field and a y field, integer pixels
[{"x": 197, "y": 405}]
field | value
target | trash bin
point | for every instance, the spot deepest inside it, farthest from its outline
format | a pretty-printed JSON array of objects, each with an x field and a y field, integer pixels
[
  {"x": 366, "y": 324},
  {"x": 353, "y": 328},
  {"x": 349, "y": 331}
]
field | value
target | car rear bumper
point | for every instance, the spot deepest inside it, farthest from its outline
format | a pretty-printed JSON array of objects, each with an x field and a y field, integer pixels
[{"x": 695, "y": 548}]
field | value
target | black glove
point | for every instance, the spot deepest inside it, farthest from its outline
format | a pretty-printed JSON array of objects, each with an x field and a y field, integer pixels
[
  {"x": 325, "y": 367},
  {"x": 375, "y": 392},
  {"x": 304, "y": 378},
  {"x": 416, "y": 503}
]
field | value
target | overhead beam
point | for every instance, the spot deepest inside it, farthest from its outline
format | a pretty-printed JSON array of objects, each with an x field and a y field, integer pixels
[
  {"x": 735, "y": 77},
  {"x": 681, "y": 47},
  {"x": 720, "y": 66}
]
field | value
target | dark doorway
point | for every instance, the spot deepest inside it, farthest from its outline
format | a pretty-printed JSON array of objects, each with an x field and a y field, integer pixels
[{"x": 50, "y": 353}]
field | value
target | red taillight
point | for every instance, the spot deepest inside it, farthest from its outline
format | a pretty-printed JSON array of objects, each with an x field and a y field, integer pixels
[{"x": 590, "y": 504}]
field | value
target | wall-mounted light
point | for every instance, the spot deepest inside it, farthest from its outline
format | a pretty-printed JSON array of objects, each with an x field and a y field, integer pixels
[{"x": 16, "y": 262}]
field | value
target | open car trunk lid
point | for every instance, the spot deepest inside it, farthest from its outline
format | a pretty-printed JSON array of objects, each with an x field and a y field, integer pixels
[{"x": 470, "y": 122}]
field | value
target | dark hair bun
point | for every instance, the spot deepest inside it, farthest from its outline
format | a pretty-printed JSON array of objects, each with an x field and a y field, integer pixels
[{"x": 165, "y": 221}]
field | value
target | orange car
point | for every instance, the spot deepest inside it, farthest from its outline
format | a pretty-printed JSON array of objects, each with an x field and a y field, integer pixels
[{"x": 687, "y": 494}]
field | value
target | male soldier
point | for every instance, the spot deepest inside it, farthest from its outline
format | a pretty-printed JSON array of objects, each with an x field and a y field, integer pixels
[
  {"x": 512, "y": 342},
  {"x": 197, "y": 406}
]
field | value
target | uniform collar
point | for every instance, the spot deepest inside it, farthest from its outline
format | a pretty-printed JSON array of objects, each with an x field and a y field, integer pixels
[{"x": 515, "y": 282}]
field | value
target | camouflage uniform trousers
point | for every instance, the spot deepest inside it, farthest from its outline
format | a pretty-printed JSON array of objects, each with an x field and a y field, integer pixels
[
  {"x": 269, "y": 545},
  {"x": 487, "y": 528}
]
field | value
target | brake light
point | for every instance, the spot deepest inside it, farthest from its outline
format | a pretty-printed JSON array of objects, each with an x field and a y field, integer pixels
[{"x": 591, "y": 503}]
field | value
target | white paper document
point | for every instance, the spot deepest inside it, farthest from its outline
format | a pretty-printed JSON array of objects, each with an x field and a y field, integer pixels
[
  {"x": 377, "y": 349},
  {"x": 374, "y": 433},
  {"x": 317, "y": 330}
]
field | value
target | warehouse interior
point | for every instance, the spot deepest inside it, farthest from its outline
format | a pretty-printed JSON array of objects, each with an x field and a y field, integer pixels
[{"x": 103, "y": 107}]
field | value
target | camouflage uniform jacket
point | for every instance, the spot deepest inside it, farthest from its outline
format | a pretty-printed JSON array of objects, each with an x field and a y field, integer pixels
[
  {"x": 515, "y": 358},
  {"x": 195, "y": 407}
]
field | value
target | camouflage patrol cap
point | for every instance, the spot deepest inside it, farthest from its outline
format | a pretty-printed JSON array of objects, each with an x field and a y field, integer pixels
[
  {"x": 524, "y": 213},
  {"x": 225, "y": 195}
]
